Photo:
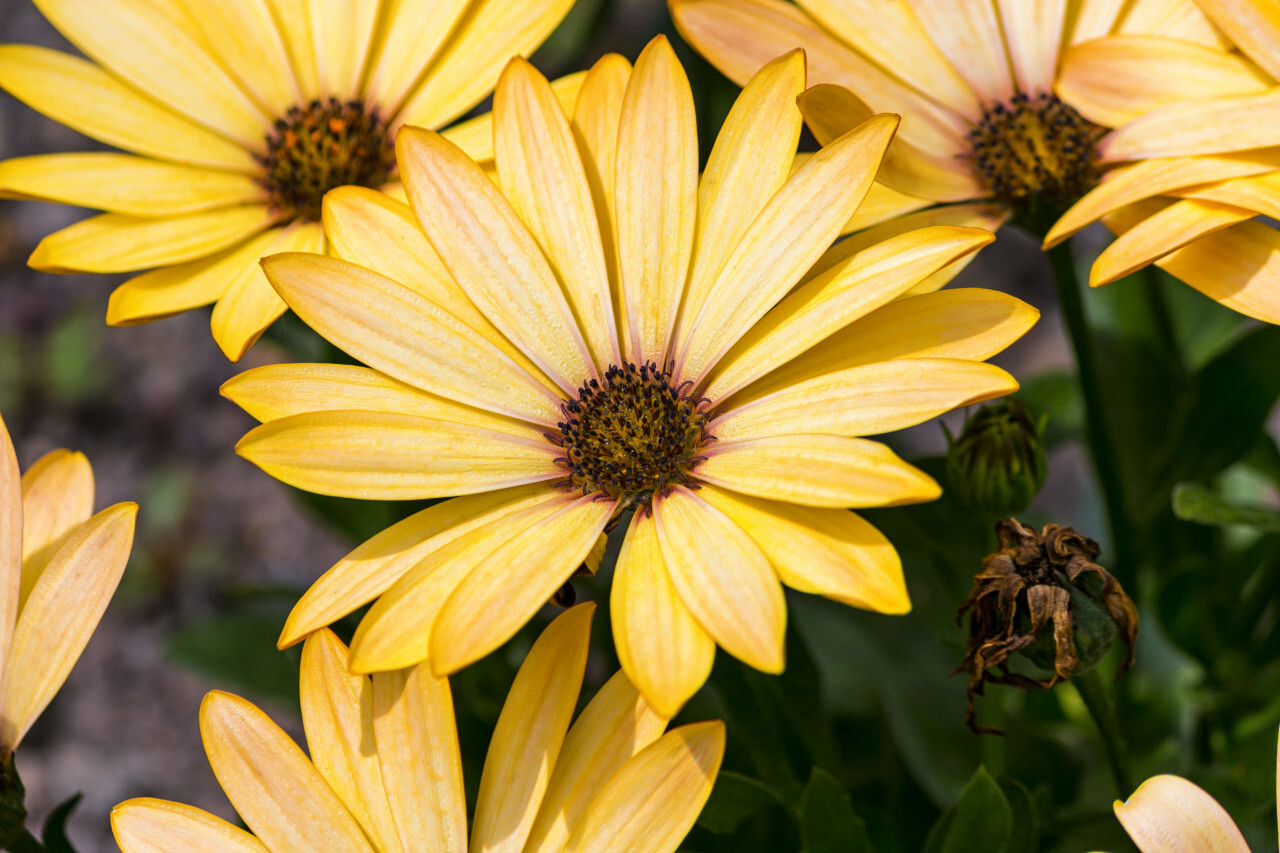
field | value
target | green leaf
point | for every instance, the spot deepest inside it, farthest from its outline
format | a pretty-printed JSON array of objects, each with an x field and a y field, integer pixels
[
  {"x": 1025, "y": 834},
  {"x": 55, "y": 826},
  {"x": 828, "y": 823},
  {"x": 734, "y": 800},
  {"x": 238, "y": 650},
  {"x": 981, "y": 819},
  {"x": 1196, "y": 503}
]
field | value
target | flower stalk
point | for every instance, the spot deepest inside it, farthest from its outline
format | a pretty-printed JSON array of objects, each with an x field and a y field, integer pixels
[{"x": 1097, "y": 699}]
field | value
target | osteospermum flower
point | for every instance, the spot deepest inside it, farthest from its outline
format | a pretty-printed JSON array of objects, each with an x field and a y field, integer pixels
[
  {"x": 240, "y": 115},
  {"x": 59, "y": 565},
  {"x": 385, "y": 773},
  {"x": 1168, "y": 814},
  {"x": 983, "y": 130},
  {"x": 615, "y": 335}
]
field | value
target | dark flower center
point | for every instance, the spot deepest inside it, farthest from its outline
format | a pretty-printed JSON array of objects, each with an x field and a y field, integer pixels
[
  {"x": 321, "y": 146},
  {"x": 1035, "y": 153},
  {"x": 631, "y": 435}
]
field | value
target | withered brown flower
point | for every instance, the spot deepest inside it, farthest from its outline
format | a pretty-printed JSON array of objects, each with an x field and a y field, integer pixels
[{"x": 1033, "y": 580}]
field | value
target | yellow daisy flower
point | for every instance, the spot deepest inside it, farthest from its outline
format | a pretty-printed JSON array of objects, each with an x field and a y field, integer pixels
[
  {"x": 385, "y": 772},
  {"x": 59, "y": 565},
  {"x": 615, "y": 334},
  {"x": 1168, "y": 814},
  {"x": 240, "y": 114}
]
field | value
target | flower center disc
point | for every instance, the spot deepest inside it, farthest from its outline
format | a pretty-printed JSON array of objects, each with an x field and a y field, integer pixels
[
  {"x": 631, "y": 435},
  {"x": 1035, "y": 152},
  {"x": 321, "y": 146}
]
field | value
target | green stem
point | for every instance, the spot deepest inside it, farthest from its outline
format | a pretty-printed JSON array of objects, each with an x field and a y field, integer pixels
[
  {"x": 1097, "y": 698},
  {"x": 27, "y": 843},
  {"x": 1105, "y": 462},
  {"x": 1158, "y": 308}
]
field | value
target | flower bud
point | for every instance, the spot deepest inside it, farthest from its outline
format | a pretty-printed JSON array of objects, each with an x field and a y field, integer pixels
[{"x": 997, "y": 466}]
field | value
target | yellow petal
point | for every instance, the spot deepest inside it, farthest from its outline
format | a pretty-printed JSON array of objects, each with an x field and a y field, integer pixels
[
  {"x": 466, "y": 69},
  {"x": 1199, "y": 126},
  {"x": 57, "y": 497},
  {"x": 501, "y": 594},
  {"x": 386, "y": 456},
  {"x": 831, "y": 111},
  {"x": 392, "y": 329},
  {"x": 273, "y": 786},
  {"x": 417, "y": 741},
  {"x": 340, "y": 37},
  {"x": 848, "y": 290},
  {"x": 79, "y": 94},
  {"x": 150, "y": 48},
  {"x": 817, "y": 470},
  {"x": 1032, "y": 32},
  {"x": 491, "y": 254},
  {"x": 530, "y": 731},
  {"x": 750, "y": 162},
  {"x": 1095, "y": 19},
  {"x": 867, "y": 400},
  {"x": 739, "y": 36},
  {"x": 374, "y": 566},
  {"x": 788, "y": 236},
  {"x": 1176, "y": 19},
  {"x": 244, "y": 36},
  {"x": 830, "y": 552},
  {"x": 1157, "y": 177},
  {"x": 1116, "y": 80},
  {"x": 542, "y": 175},
  {"x": 59, "y": 616},
  {"x": 249, "y": 305},
  {"x": 409, "y": 37},
  {"x": 1252, "y": 25},
  {"x": 475, "y": 135},
  {"x": 1171, "y": 228},
  {"x": 968, "y": 34},
  {"x": 662, "y": 648},
  {"x": 616, "y": 724},
  {"x": 724, "y": 579},
  {"x": 295, "y": 29},
  {"x": 145, "y": 825},
  {"x": 337, "y": 714},
  {"x": 1259, "y": 193},
  {"x": 10, "y": 540},
  {"x": 881, "y": 204},
  {"x": 1168, "y": 814},
  {"x": 656, "y": 198},
  {"x": 652, "y": 802},
  {"x": 123, "y": 183},
  {"x": 397, "y": 629},
  {"x": 114, "y": 242}
]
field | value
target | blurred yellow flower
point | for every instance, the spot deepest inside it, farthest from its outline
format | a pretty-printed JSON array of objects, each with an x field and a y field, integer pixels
[
  {"x": 615, "y": 334},
  {"x": 59, "y": 565},
  {"x": 385, "y": 772},
  {"x": 240, "y": 114}
]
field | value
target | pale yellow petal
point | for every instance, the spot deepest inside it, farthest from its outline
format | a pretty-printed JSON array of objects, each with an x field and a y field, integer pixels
[
  {"x": 1252, "y": 25},
  {"x": 374, "y": 566},
  {"x": 409, "y": 37},
  {"x": 150, "y": 48},
  {"x": 968, "y": 34},
  {"x": 114, "y": 242},
  {"x": 475, "y": 135},
  {"x": 1175, "y": 19},
  {"x": 750, "y": 162},
  {"x": 244, "y": 36},
  {"x": 1173, "y": 227},
  {"x": 337, "y": 714},
  {"x": 386, "y": 456},
  {"x": 651, "y": 804},
  {"x": 723, "y": 578},
  {"x": 541, "y": 173},
  {"x": 1168, "y": 814},
  {"x": 830, "y": 552},
  {"x": 1033, "y": 32},
  {"x": 466, "y": 68},
  {"x": 249, "y": 304},
  {"x": 506, "y": 589},
  {"x": 491, "y": 254},
  {"x": 146, "y": 825},
  {"x": 848, "y": 290},
  {"x": 1095, "y": 19},
  {"x": 59, "y": 616},
  {"x": 1116, "y": 80},
  {"x": 397, "y": 629},
  {"x": 390, "y": 328},
  {"x": 341, "y": 34},
  {"x": 57, "y": 497},
  {"x": 662, "y": 648},
  {"x": 292, "y": 19},
  {"x": 867, "y": 400},
  {"x": 82, "y": 96},
  {"x": 531, "y": 729},
  {"x": 417, "y": 739},
  {"x": 123, "y": 183},
  {"x": 1198, "y": 126},
  {"x": 655, "y": 196},
  {"x": 788, "y": 236},
  {"x": 816, "y": 470},
  {"x": 10, "y": 541},
  {"x": 277, "y": 791}
]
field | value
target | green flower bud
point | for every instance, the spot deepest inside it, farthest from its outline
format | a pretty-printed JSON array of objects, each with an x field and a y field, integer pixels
[{"x": 997, "y": 466}]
